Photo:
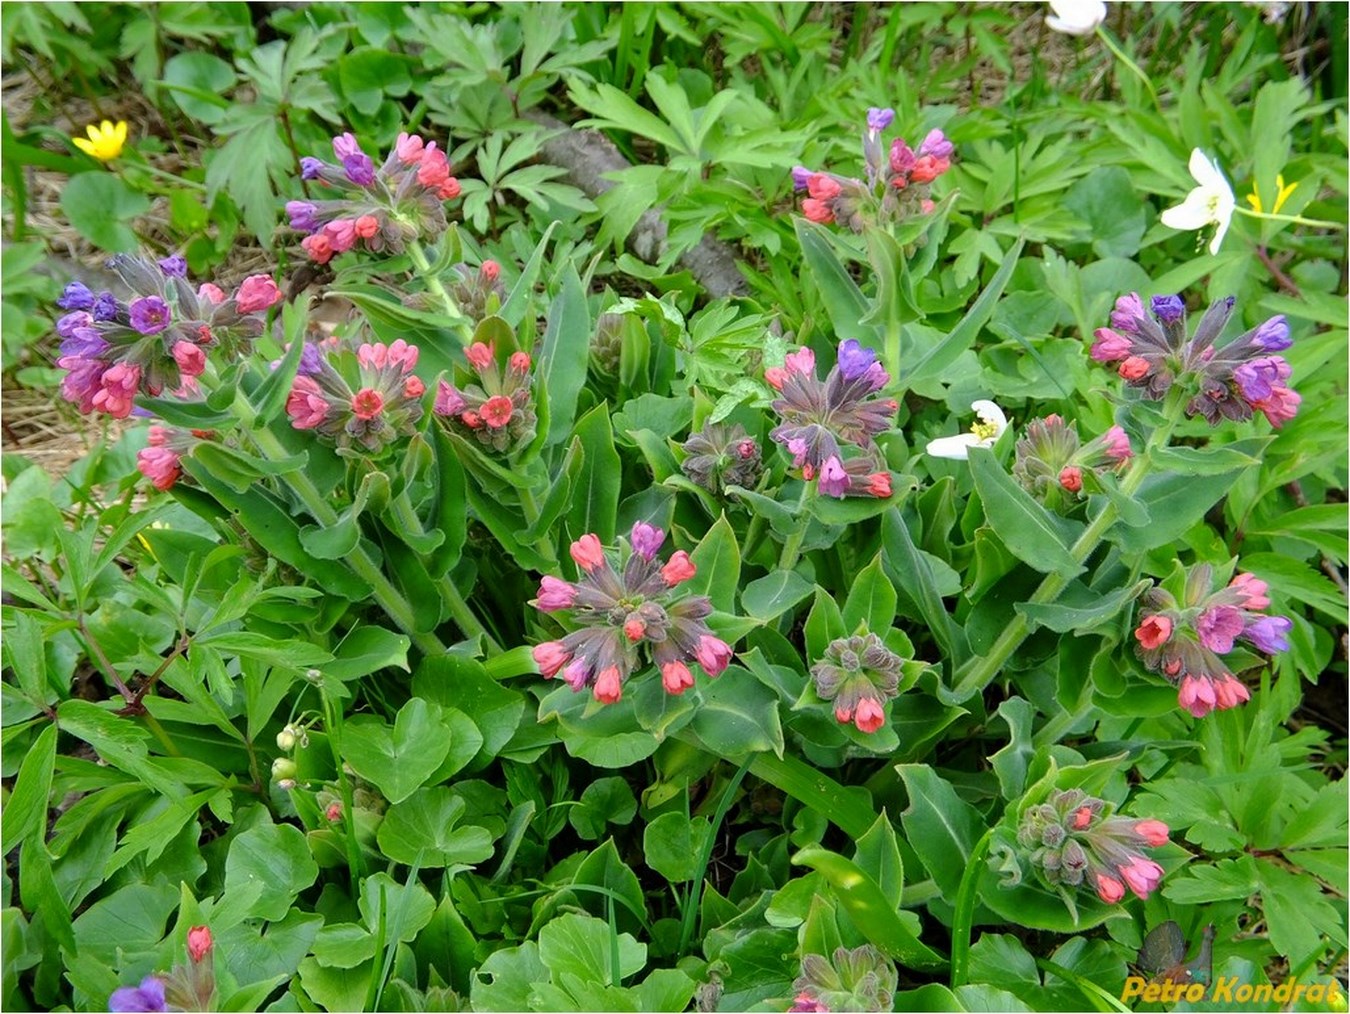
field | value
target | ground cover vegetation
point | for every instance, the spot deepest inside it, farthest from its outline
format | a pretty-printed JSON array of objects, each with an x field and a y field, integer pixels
[{"x": 663, "y": 507}]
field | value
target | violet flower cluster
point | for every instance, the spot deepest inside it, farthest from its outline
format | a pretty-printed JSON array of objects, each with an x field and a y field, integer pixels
[
  {"x": 860, "y": 979},
  {"x": 625, "y": 614},
  {"x": 1070, "y": 841},
  {"x": 383, "y": 207},
  {"x": 822, "y": 418},
  {"x": 381, "y": 404},
  {"x": 1051, "y": 464},
  {"x": 157, "y": 340},
  {"x": 897, "y": 186},
  {"x": 498, "y": 410},
  {"x": 859, "y": 674},
  {"x": 718, "y": 456},
  {"x": 1184, "y": 639},
  {"x": 1233, "y": 380}
]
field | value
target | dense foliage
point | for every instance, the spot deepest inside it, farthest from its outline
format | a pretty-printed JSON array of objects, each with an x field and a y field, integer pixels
[{"x": 549, "y": 578}]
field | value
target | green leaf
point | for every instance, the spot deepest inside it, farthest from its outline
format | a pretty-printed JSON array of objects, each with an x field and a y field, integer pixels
[
  {"x": 421, "y": 831},
  {"x": 366, "y": 650},
  {"x": 823, "y": 624},
  {"x": 871, "y": 600},
  {"x": 579, "y": 945},
  {"x": 878, "y": 855},
  {"x": 1174, "y": 502},
  {"x": 844, "y": 301},
  {"x": 505, "y": 981},
  {"x": 911, "y": 569},
  {"x": 197, "y": 82},
  {"x": 368, "y": 74},
  {"x": 274, "y": 860},
  {"x": 398, "y": 760},
  {"x": 1114, "y": 214},
  {"x": 595, "y": 504},
  {"x": 717, "y": 562},
  {"x": 738, "y": 715},
  {"x": 605, "y": 801},
  {"x": 940, "y": 826},
  {"x": 1080, "y": 609},
  {"x": 456, "y": 682},
  {"x": 768, "y": 597},
  {"x": 565, "y": 354},
  {"x": 99, "y": 205},
  {"x": 672, "y": 844},
  {"x": 26, "y": 808},
  {"x": 1030, "y": 532}
]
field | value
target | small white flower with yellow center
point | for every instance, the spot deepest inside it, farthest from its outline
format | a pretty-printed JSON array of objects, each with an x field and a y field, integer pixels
[
  {"x": 985, "y": 433},
  {"x": 1211, "y": 203}
]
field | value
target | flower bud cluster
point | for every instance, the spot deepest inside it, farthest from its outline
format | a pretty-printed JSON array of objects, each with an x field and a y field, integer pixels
[
  {"x": 382, "y": 208},
  {"x": 161, "y": 461},
  {"x": 821, "y": 418},
  {"x": 1233, "y": 380},
  {"x": 1051, "y": 464},
  {"x": 1071, "y": 841},
  {"x": 625, "y": 614},
  {"x": 498, "y": 410},
  {"x": 859, "y": 674},
  {"x": 897, "y": 187},
  {"x": 861, "y": 979},
  {"x": 718, "y": 456},
  {"x": 1184, "y": 637},
  {"x": 477, "y": 291},
  {"x": 364, "y": 396},
  {"x": 159, "y": 339}
]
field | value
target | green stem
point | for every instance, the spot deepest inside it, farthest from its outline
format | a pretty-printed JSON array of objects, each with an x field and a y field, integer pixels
[
  {"x": 989, "y": 666},
  {"x": 1299, "y": 219},
  {"x": 792, "y": 548},
  {"x": 423, "y": 265},
  {"x": 333, "y": 718},
  {"x": 964, "y": 917},
  {"x": 1123, "y": 58},
  {"x": 360, "y": 562},
  {"x": 690, "y": 913}
]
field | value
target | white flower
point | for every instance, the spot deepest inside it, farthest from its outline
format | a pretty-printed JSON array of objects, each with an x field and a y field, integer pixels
[
  {"x": 1076, "y": 17},
  {"x": 1211, "y": 203},
  {"x": 984, "y": 433}
]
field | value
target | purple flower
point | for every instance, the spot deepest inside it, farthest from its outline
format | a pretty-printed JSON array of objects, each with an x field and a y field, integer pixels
[
  {"x": 346, "y": 145},
  {"x": 1218, "y": 626},
  {"x": 66, "y": 326},
  {"x": 801, "y": 177},
  {"x": 879, "y": 119},
  {"x": 105, "y": 307},
  {"x": 148, "y": 996},
  {"x": 1129, "y": 309},
  {"x": 854, "y": 359},
  {"x": 1268, "y": 633},
  {"x": 149, "y": 314},
  {"x": 302, "y": 215},
  {"x": 833, "y": 478},
  {"x": 310, "y": 167},
  {"x": 646, "y": 540},
  {"x": 1168, "y": 309},
  {"x": 1273, "y": 335},
  {"x": 175, "y": 266},
  {"x": 76, "y": 297},
  {"x": 311, "y": 360},
  {"x": 84, "y": 342},
  {"x": 1257, "y": 378},
  {"x": 360, "y": 169},
  {"x": 937, "y": 145}
]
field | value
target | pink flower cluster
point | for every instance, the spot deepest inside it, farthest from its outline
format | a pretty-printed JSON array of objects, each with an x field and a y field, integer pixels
[
  {"x": 366, "y": 397},
  {"x": 382, "y": 208},
  {"x": 1050, "y": 462},
  {"x": 1072, "y": 842},
  {"x": 623, "y": 614},
  {"x": 161, "y": 460},
  {"x": 498, "y": 410},
  {"x": 157, "y": 340},
  {"x": 1182, "y": 636}
]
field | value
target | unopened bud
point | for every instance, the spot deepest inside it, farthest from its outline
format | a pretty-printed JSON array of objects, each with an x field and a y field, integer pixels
[
  {"x": 286, "y": 739},
  {"x": 283, "y": 768},
  {"x": 199, "y": 943}
]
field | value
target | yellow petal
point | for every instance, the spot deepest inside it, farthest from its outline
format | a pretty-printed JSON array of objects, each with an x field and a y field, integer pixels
[
  {"x": 1255, "y": 201},
  {"x": 85, "y": 146},
  {"x": 121, "y": 133}
]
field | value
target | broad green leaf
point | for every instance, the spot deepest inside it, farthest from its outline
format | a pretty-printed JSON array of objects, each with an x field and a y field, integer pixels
[
  {"x": 401, "y": 759},
  {"x": 1032, "y": 533},
  {"x": 738, "y": 715},
  {"x": 717, "y": 559},
  {"x": 421, "y": 831},
  {"x": 26, "y": 808},
  {"x": 940, "y": 826},
  {"x": 365, "y": 650},
  {"x": 844, "y": 301},
  {"x": 768, "y": 597},
  {"x": 99, "y": 205},
  {"x": 672, "y": 844},
  {"x": 871, "y": 600},
  {"x": 579, "y": 945},
  {"x": 274, "y": 860},
  {"x": 1079, "y": 609},
  {"x": 595, "y": 503},
  {"x": 605, "y": 801},
  {"x": 565, "y": 354}
]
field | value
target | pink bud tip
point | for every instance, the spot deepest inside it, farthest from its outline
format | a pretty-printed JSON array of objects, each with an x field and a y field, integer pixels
[
  {"x": 199, "y": 943},
  {"x": 588, "y": 553}
]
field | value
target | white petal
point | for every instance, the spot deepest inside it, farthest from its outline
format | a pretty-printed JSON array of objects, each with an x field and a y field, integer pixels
[
  {"x": 1192, "y": 213},
  {"x": 1207, "y": 173},
  {"x": 1076, "y": 17},
  {"x": 957, "y": 447},
  {"x": 990, "y": 413},
  {"x": 1219, "y": 234}
]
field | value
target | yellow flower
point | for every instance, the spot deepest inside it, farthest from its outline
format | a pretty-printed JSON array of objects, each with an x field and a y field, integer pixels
[
  {"x": 105, "y": 140},
  {"x": 1254, "y": 198}
]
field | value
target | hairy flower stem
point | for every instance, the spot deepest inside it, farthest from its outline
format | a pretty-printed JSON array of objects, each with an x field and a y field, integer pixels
[
  {"x": 1296, "y": 219},
  {"x": 792, "y": 548},
  {"x": 360, "y": 562},
  {"x": 423, "y": 265},
  {"x": 987, "y": 667}
]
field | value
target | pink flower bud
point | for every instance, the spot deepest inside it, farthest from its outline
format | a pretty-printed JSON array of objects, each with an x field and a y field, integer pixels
[
  {"x": 199, "y": 943},
  {"x": 519, "y": 363},
  {"x": 550, "y": 656},
  {"x": 318, "y": 247},
  {"x": 257, "y": 292},
  {"x": 676, "y": 678},
  {"x": 408, "y": 147},
  {"x": 448, "y": 400},
  {"x": 306, "y": 404},
  {"x": 479, "y": 355},
  {"x": 1071, "y": 478},
  {"x": 678, "y": 568},
  {"x": 1109, "y": 346},
  {"x": 608, "y": 686},
  {"x": 1134, "y": 368},
  {"x": 802, "y": 361},
  {"x": 209, "y": 293},
  {"x": 588, "y": 552},
  {"x": 190, "y": 358},
  {"x": 367, "y": 226},
  {"x": 1154, "y": 832},
  {"x": 1109, "y": 889},
  {"x": 555, "y": 594},
  {"x": 713, "y": 654},
  {"x": 413, "y": 387},
  {"x": 1251, "y": 590},
  {"x": 1142, "y": 875},
  {"x": 869, "y": 716},
  {"x": 490, "y": 270},
  {"x": 1117, "y": 445},
  {"x": 333, "y": 813},
  {"x": 634, "y": 628}
]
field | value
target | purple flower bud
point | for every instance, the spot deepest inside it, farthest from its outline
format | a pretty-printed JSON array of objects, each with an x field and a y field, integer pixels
[
  {"x": 149, "y": 314},
  {"x": 1267, "y": 633},
  {"x": 937, "y": 145},
  {"x": 1273, "y": 335},
  {"x": 360, "y": 169},
  {"x": 66, "y": 326},
  {"x": 646, "y": 540},
  {"x": 148, "y": 996},
  {"x": 105, "y": 307},
  {"x": 902, "y": 156},
  {"x": 854, "y": 359},
  {"x": 833, "y": 478},
  {"x": 801, "y": 177},
  {"x": 1168, "y": 309},
  {"x": 174, "y": 267},
  {"x": 310, "y": 167},
  {"x": 346, "y": 145},
  {"x": 1256, "y": 379},
  {"x": 84, "y": 342},
  {"x": 1128, "y": 311},
  {"x": 311, "y": 360},
  {"x": 302, "y": 215},
  {"x": 879, "y": 119},
  {"x": 76, "y": 297}
]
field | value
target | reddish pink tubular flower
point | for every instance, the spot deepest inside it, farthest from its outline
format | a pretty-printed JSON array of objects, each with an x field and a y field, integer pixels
[
  {"x": 555, "y": 594},
  {"x": 367, "y": 403},
  {"x": 1229, "y": 692},
  {"x": 497, "y": 411},
  {"x": 802, "y": 361},
  {"x": 588, "y": 552},
  {"x": 1109, "y": 889},
  {"x": 319, "y": 249},
  {"x": 367, "y": 226},
  {"x": 306, "y": 404},
  {"x": 448, "y": 190},
  {"x": 1134, "y": 368},
  {"x": 119, "y": 385},
  {"x": 1142, "y": 875},
  {"x": 775, "y": 375},
  {"x": 1117, "y": 445},
  {"x": 1110, "y": 346},
  {"x": 634, "y": 629},
  {"x": 823, "y": 187},
  {"x": 817, "y": 211},
  {"x": 199, "y": 943},
  {"x": 160, "y": 465},
  {"x": 1154, "y": 832},
  {"x": 190, "y": 358},
  {"x": 409, "y": 149},
  {"x": 678, "y": 568},
  {"x": 869, "y": 716},
  {"x": 1071, "y": 478},
  {"x": 341, "y": 234},
  {"x": 1280, "y": 407},
  {"x": 1196, "y": 694},
  {"x": 413, "y": 387},
  {"x": 1082, "y": 817},
  {"x": 1252, "y": 589},
  {"x": 879, "y": 484},
  {"x": 333, "y": 813},
  {"x": 209, "y": 293},
  {"x": 479, "y": 355},
  {"x": 1154, "y": 631},
  {"x": 676, "y": 678},
  {"x": 448, "y": 400},
  {"x": 520, "y": 363},
  {"x": 713, "y": 654},
  {"x": 550, "y": 656},
  {"x": 471, "y": 420},
  {"x": 257, "y": 292},
  {"x": 608, "y": 686},
  {"x": 843, "y": 713},
  {"x": 490, "y": 270}
]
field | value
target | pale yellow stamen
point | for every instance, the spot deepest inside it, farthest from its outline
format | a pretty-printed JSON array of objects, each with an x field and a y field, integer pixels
[{"x": 985, "y": 430}]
